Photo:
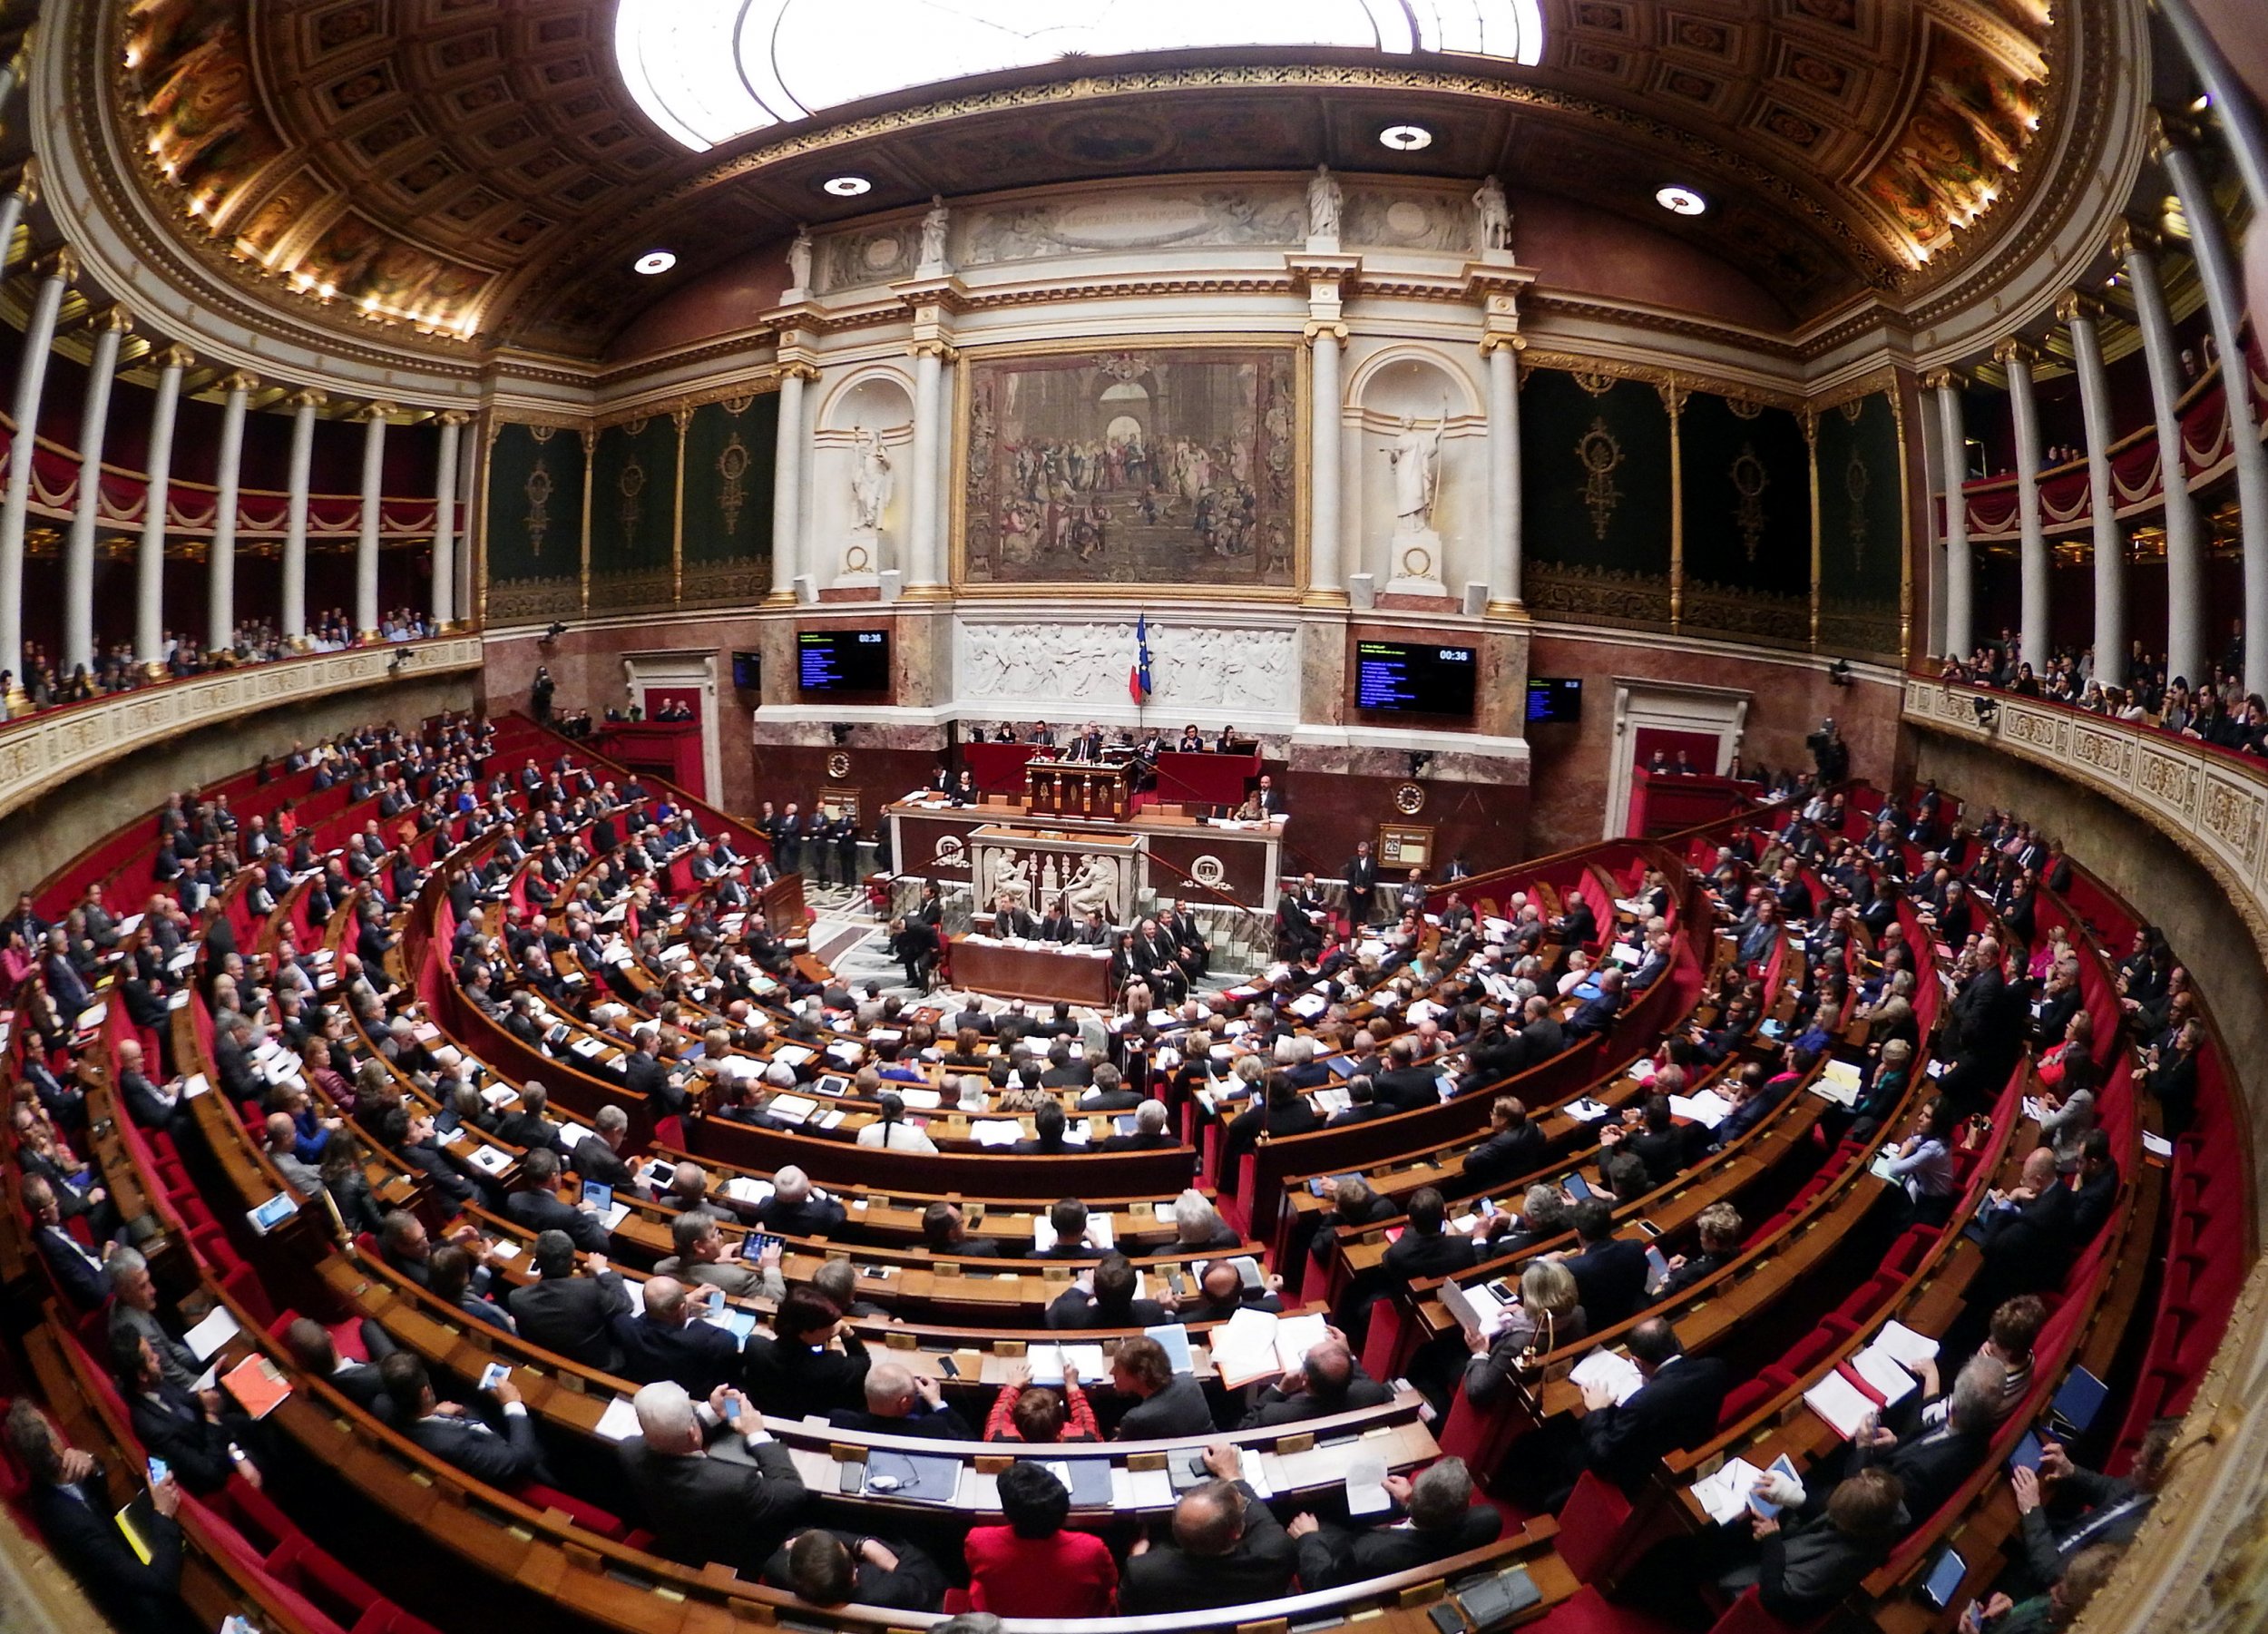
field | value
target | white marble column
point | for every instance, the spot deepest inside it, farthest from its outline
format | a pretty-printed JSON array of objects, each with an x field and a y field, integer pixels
[
  {"x": 1960, "y": 571},
  {"x": 922, "y": 552},
  {"x": 12, "y": 209},
  {"x": 2032, "y": 633},
  {"x": 303, "y": 403},
  {"x": 1327, "y": 341},
  {"x": 112, "y": 326},
  {"x": 468, "y": 488},
  {"x": 149, "y": 559},
  {"x": 2225, "y": 302},
  {"x": 1505, "y": 517},
  {"x": 31, "y": 380},
  {"x": 2185, "y": 546},
  {"x": 2109, "y": 539},
  {"x": 373, "y": 494},
  {"x": 948, "y": 369},
  {"x": 444, "y": 520},
  {"x": 787, "y": 482},
  {"x": 221, "y": 565}
]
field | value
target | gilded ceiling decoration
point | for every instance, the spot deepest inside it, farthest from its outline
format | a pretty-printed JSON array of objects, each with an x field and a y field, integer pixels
[{"x": 477, "y": 171}]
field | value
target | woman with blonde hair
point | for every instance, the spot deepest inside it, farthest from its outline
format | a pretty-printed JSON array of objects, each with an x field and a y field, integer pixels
[{"x": 1548, "y": 1316}]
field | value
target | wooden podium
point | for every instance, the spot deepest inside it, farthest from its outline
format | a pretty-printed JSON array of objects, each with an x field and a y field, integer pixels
[{"x": 1076, "y": 789}]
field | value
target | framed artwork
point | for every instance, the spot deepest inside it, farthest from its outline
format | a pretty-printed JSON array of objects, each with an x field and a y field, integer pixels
[{"x": 1160, "y": 464}]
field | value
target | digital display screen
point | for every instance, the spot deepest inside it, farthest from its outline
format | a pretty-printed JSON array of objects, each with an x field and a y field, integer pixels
[
  {"x": 1555, "y": 699},
  {"x": 842, "y": 660},
  {"x": 1409, "y": 678},
  {"x": 747, "y": 672}
]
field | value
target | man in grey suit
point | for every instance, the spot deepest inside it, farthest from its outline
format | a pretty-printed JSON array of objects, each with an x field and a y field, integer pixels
[
  {"x": 704, "y": 1257},
  {"x": 134, "y": 1309},
  {"x": 711, "y": 1483}
]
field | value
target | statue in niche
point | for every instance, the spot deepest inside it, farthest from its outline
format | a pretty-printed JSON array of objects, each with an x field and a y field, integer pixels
[
  {"x": 870, "y": 478},
  {"x": 1050, "y": 883},
  {"x": 1493, "y": 228},
  {"x": 1324, "y": 202},
  {"x": 1091, "y": 889},
  {"x": 1417, "y": 459},
  {"x": 799, "y": 260},
  {"x": 1012, "y": 878},
  {"x": 934, "y": 224}
]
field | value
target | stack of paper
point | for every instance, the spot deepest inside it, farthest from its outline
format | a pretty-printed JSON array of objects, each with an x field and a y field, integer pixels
[
  {"x": 1840, "y": 1403},
  {"x": 1706, "y": 1108},
  {"x": 1047, "y": 1362},
  {"x": 996, "y": 1131},
  {"x": 1879, "y": 1373},
  {"x": 1838, "y": 1082},
  {"x": 1725, "y": 1496},
  {"x": 1903, "y": 1345},
  {"x": 205, "y": 1340},
  {"x": 1611, "y": 1368}
]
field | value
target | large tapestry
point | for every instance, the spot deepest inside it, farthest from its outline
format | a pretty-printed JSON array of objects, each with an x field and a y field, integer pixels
[
  {"x": 1595, "y": 485},
  {"x": 1747, "y": 509},
  {"x": 1156, "y": 465},
  {"x": 633, "y": 513},
  {"x": 729, "y": 452},
  {"x": 1861, "y": 528},
  {"x": 534, "y": 523}
]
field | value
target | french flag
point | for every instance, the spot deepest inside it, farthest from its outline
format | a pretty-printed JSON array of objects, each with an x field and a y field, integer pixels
[{"x": 1138, "y": 678}]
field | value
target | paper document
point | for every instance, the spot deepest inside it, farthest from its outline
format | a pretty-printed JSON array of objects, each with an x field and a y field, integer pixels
[
  {"x": 205, "y": 1340},
  {"x": 1901, "y": 1344},
  {"x": 1725, "y": 1496},
  {"x": 1611, "y": 1368},
  {"x": 1840, "y": 1403},
  {"x": 620, "y": 1421},
  {"x": 1881, "y": 1371},
  {"x": 1047, "y": 1363}
]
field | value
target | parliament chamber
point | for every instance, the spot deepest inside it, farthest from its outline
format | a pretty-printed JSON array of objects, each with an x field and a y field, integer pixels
[{"x": 1459, "y": 786}]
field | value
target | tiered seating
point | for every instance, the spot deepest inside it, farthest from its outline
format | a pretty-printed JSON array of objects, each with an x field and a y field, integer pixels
[{"x": 969, "y": 1321}]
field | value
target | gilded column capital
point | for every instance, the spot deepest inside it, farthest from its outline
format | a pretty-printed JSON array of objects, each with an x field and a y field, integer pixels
[
  {"x": 239, "y": 383},
  {"x": 1498, "y": 340},
  {"x": 1320, "y": 329},
  {"x": 452, "y": 416},
  {"x": 799, "y": 369},
  {"x": 1942, "y": 379},
  {"x": 114, "y": 318},
  {"x": 2073, "y": 305},
  {"x": 174, "y": 355},
  {"x": 59, "y": 263},
  {"x": 2015, "y": 349},
  {"x": 931, "y": 346},
  {"x": 308, "y": 397},
  {"x": 371, "y": 413}
]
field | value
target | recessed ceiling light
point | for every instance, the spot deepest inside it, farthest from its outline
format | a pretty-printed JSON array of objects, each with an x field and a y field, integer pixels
[
  {"x": 1405, "y": 139},
  {"x": 846, "y": 186},
  {"x": 1681, "y": 201},
  {"x": 2201, "y": 103},
  {"x": 655, "y": 261}
]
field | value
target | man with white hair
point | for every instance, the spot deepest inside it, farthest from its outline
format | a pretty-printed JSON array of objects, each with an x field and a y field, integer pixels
[
  {"x": 796, "y": 1209},
  {"x": 1931, "y": 1464},
  {"x": 133, "y": 1309},
  {"x": 1433, "y": 1517},
  {"x": 1149, "y": 1133},
  {"x": 734, "y": 1504},
  {"x": 598, "y": 1156},
  {"x": 901, "y": 1402}
]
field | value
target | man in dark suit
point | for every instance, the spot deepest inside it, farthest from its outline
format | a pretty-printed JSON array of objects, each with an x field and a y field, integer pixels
[
  {"x": 459, "y": 1437},
  {"x": 1328, "y": 1380},
  {"x": 1985, "y": 1028},
  {"x": 1932, "y": 1462},
  {"x": 598, "y": 1156},
  {"x": 735, "y": 1507},
  {"x": 76, "y": 1270},
  {"x": 1433, "y": 1517},
  {"x": 643, "y": 1074},
  {"x": 1405, "y": 1085},
  {"x": 1166, "y": 1405},
  {"x": 2097, "y": 1189},
  {"x": 1541, "y": 1035},
  {"x": 1112, "y": 1304},
  {"x": 900, "y": 1401},
  {"x": 1515, "y": 1147},
  {"x": 571, "y": 1315},
  {"x": 72, "y": 1505},
  {"x": 1429, "y": 1248},
  {"x": 913, "y": 944},
  {"x": 1676, "y": 1407},
  {"x": 359, "y": 1382},
  {"x": 537, "y": 1206},
  {"x": 668, "y": 1340},
  {"x": 1657, "y": 1142},
  {"x": 2028, "y": 1237},
  {"x": 1268, "y": 797},
  {"x": 1597, "y": 1014},
  {"x": 1362, "y": 883},
  {"x": 793, "y": 1209},
  {"x": 1610, "y": 1273},
  {"x": 1012, "y": 918},
  {"x": 1224, "y": 1549}
]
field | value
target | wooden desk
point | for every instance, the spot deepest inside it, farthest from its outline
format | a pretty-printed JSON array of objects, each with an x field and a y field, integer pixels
[
  {"x": 1076, "y": 788},
  {"x": 1042, "y": 974}
]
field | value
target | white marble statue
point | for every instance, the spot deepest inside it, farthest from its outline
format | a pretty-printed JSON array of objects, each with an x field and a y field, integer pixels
[
  {"x": 1040, "y": 667},
  {"x": 870, "y": 478},
  {"x": 1012, "y": 878},
  {"x": 1493, "y": 228},
  {"x": 1417, "y": 459},
  {"x": 799, "y": 260},
  {"x": 1324, "y": 202},
  {"x": 1093, "y": 889},
  {"x": 934, "y": 225}
]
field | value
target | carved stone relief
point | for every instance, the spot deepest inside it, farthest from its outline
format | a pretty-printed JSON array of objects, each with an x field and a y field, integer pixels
[{"x": 1038, "y": 668}]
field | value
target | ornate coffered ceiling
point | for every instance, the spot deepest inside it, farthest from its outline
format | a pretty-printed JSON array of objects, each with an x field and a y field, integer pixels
[{"x": 472, "y": 173}]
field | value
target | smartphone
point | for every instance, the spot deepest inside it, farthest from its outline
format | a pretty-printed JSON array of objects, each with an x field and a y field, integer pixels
[
  {"x": 1176, "y": 1281},
  {"x": 159, "y": 1471},
  {"x": 852, "y": 1478},
  {"x": 1649, "y": 1228},
  {"x": 949, "y": 1367},
  {"x": 493, "y": 1375},
  {"x": 1578, "y": 1189}
]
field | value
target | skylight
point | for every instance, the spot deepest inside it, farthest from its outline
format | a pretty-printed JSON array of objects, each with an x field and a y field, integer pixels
[{"x": 706, "y": 71}]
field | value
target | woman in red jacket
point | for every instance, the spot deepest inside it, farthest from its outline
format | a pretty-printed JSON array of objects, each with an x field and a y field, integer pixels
[
  {"x": 1031, "y": 1567},
  {"x": 1023, "y": 1413}
]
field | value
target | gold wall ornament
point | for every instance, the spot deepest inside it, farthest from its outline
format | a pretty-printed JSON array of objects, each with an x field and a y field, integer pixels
[
  {"x": 1600, "y": 455},
  {"x": 839, "y": 766},
  {"x": 737, "y": 406},
  {"x": 542, "y": 434},
  {"x": 539, "y": 495},
  {"x": 1743, "y": 410},
  {"x": 732, "y": 468},
  {"x": 630, "y": 485},
  {"x": 1592, "y": 381},
  {"x": 1855, "y": 484},
  {"x": 1852, "y": 410},
  {"x": 1750, "y": 479}
]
